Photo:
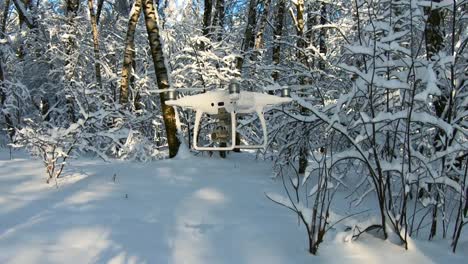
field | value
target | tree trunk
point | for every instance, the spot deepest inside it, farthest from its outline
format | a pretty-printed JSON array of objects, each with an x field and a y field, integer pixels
[
  {"x": 207, "y": 17},
  {"x": 218, "y": 20},
  {"x": 97, "y": 64},
  {"x": 278, "y": 32},
  {"x": 249, "y": 37},
  {"x": 261, "y": 25},
  {"x": 129, "y": 55},
  {"x": 433, "y": 32},
  {"x": 8, "y": 119},
  {"x": 162, "y": 77},
  {"x": 310, "y": 35},
  {"x": 21, "y": 7},
  {"x": 72, "y": 7},
  {"x": 311, "y": 22},
  {"x": 434, "y": 39},
  {"x": 99, "y": 9},
  {"x": 323, "y": 33},
  {"x": 5, "y": 16},
  {"x": 300, "y": 31},
  {"x": 303, "y": 59},
  {"x": 21, "y": 17}
]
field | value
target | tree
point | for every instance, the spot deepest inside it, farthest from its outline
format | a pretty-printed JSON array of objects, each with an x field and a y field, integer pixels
[
  {"x": 218, "y": 19},
  {"x": 97, "y": 58},
  {"x": 22, "y": 8},
  {"x": 277, "y": 34},
  {"x": 207, "y": 9},
  {"x": 249, "y": 36},
  {"x": 259, "y": 39},
  {"x": 162, "y": 77},
  {"x": 129, "y": 55},
  {"x": 6, "y": 115}
]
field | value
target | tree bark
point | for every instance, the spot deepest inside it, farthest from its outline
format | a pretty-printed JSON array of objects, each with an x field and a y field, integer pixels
[
  {"x": 72, "y": 7},
  {"x": 300, "y": 30},
  {"x": 261, "y": 25},
  {"x": 162, "y": 77},
  {"x": 303, "y": 59},
  {"x": 5, "y": 16},
  {"x": 129, "y": 55},
  {"x": 97, "y": 64},
  {"x": 2, "y": 79},
  {"x": 8, "y": 119},
  {"x": 323, "y": 33},
  {"x": 21, "y": 7},
  {"x": 434, "y": 39},
  {"x": 433, "y": 31},
  {"x": 249, "y": 37},
  {"x": 278, "y": 32},
  {"x": 207, "y": 17},
  {"x": 218, "y": 20},
  {"x": 310, "y": 34},
  {"x": 99, "y": 9},
  {"x": 311, "y": 22}
]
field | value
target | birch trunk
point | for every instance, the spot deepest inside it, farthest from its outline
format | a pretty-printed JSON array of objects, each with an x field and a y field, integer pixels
[
  {"x": 300, "y": 30},
  {"x": 261, "y": 25},
  {"x": 97, "y": 65},
  {"x": 162, "y": 77},
  {"x": 129, "y": 55},
  {"x": 303, "y": 59}
]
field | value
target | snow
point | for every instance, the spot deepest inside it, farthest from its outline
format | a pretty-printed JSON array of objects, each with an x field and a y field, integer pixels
[
  {"x": 186, "y": 210},
  {"x": 431, "y": 87}
]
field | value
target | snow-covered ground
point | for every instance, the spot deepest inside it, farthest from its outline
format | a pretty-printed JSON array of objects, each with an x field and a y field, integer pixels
[{"x": 197, "y": 210}]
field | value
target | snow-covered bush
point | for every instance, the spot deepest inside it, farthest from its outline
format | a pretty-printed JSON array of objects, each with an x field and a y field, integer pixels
[
  {"x": 52, "y": 145},
  {"x": 310, "y": 197},
  {"x": 399, "y": 116}
]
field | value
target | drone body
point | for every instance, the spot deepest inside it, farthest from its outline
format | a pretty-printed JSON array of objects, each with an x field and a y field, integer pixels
[{"x": 234, "y": 103}]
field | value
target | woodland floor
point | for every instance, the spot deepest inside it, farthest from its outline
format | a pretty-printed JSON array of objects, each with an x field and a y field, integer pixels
[{"x": 194, "y": 210}]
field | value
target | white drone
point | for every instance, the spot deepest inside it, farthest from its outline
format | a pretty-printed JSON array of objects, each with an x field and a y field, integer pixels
[{"x": 235, "y": 102}]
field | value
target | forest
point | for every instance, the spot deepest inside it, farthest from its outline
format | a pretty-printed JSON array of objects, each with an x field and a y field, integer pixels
[{"x": 373, "y": 140}]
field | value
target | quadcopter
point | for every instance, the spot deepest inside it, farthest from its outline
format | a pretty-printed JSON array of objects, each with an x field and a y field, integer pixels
[{"x": 229, "y": 102}]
